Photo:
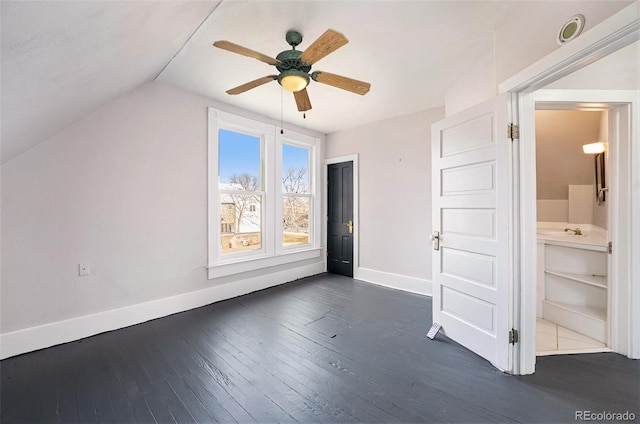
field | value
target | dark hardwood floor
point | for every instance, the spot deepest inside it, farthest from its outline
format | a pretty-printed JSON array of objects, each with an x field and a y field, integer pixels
[{"x": 323, "y": 349}]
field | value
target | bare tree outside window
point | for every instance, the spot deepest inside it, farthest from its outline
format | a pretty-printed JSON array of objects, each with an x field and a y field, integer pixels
[
  {"x": 245, "y": 203},
  {"x": 296, "y": 204},
  {"x": 241, "y": 191},
  {"x": 294, "y": 180},
  {"x": 258, "y": 216}
]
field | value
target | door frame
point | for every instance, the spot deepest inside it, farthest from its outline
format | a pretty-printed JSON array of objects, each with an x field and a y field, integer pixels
[
  {"x": 356, "y": 216},
  {"x": 621, "y": 106},
  {"x": 618, "y": 31}
]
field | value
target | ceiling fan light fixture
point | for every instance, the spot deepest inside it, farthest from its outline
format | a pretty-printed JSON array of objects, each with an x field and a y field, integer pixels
[{"x": 293, "y": 80}]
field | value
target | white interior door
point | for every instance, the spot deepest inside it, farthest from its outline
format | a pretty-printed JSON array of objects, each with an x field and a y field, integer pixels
[{"x": 471, "y": 173}]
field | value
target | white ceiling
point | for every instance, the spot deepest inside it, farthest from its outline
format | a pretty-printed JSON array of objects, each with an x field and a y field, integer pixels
[{"x": 61, "y": 60}]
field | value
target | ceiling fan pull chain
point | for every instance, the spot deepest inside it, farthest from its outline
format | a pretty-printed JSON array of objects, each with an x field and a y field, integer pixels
[{"x": 281, "y": 112}]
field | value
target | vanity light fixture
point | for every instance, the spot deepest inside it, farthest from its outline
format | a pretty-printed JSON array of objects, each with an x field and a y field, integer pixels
[
  {"x": 598, "y": 150},
  {"x": 593, "y": 148}
]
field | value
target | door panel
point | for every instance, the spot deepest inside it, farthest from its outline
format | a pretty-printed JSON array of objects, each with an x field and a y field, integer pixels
[
  {"x": 471, "y": 197},
  {"x": 340, "y": 219}
]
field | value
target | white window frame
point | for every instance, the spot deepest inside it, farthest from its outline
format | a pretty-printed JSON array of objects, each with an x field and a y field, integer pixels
[
  {"x": 312, "y": 144},
  {"x": 272, "y": 251}
]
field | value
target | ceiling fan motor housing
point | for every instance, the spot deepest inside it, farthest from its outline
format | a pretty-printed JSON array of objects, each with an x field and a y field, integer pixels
[
  {"x": 290, "y": 64},
  {"x": 290, "y": 59}
]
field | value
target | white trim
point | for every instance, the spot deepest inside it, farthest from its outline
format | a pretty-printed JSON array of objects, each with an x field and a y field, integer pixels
[
  {"x": 356, "y": 208},
  {"x": 218, "y": 119},
  {"x": 271, "y": 252},
  {"x": 43, "y": 336},
  {"x": 315, "y": 189},
  {"x": 252, "y": 264},
  {"x": 395, "y": 281}
]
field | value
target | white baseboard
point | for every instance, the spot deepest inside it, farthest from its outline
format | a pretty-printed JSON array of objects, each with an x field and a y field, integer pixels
[
  {"x": 394, "y": 281},
  {"x": 47, "y": 335}
]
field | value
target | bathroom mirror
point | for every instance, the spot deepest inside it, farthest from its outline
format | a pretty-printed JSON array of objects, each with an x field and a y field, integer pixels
[{"x": 601, "y": 188}]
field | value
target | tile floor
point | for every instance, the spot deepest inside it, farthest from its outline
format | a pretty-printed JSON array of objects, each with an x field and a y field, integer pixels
[{"x": 552, "y": 339}]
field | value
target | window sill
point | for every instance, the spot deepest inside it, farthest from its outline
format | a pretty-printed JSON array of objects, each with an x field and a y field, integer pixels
[{"x": 231, "y": 268}]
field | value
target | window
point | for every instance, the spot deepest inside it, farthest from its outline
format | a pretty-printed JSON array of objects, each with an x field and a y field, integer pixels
[
  {"x": 262, "y": 195},
  {"x": 296, "y": 195},
  {"x": 240, "y": 190}
]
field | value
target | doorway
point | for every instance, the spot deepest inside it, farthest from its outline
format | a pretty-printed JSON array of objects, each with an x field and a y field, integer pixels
[
  {"x": 572, "y": 221},
  {"x": 340, "y": 218},
  {"x": 617, "y": 323}
]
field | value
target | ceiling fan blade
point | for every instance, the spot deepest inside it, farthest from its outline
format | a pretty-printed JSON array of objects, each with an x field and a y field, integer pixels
[
  {"x": 327, "y": 43},
  {"x": 251, "y": 84},
  {"x": 236, "y": 48},
  {"x": 302, "y": 100},
  {"x": 338, "y": 81}
]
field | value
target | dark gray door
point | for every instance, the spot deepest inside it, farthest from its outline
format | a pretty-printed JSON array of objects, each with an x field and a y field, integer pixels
[{"x": 340, "y": 219}]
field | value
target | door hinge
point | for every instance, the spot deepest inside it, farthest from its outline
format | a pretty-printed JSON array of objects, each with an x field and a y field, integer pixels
[
  {"x": 513, "y": 131},
  {"x": 610, "y": 248},
  {"x": 513, "y": 336}
]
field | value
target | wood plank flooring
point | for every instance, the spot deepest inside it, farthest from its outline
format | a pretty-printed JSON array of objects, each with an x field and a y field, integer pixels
[{"x": 325, "y": 349}]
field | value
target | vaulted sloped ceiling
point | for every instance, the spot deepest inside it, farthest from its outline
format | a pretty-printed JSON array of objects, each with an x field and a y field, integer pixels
[{"x": 61, "y": 60}]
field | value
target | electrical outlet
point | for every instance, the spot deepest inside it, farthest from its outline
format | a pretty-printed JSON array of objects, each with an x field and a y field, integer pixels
[{"x": 83, "y": 269}]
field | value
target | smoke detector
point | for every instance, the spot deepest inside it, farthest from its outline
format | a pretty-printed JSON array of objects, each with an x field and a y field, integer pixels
[{"x": 571, "y": 29}]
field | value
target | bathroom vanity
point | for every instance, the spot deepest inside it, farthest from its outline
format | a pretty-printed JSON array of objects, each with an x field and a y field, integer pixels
[{"x": 572, "y": 278}]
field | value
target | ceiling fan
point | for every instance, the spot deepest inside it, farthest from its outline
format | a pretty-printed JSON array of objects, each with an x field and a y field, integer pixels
[{"x": 294, "y": 67}]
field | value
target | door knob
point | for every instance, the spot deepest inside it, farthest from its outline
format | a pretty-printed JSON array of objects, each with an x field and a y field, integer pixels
[
  {"x": 435, "y": 238},
  {"x": 350, "y": 225}
]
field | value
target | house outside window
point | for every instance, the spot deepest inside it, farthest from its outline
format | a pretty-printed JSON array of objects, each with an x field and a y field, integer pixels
[
  {"x": 262, "y": 195},
  {"x": 296, "y": 195},
  {"x": 240, "y": 185},
  {"x": 227, "y": 218}
]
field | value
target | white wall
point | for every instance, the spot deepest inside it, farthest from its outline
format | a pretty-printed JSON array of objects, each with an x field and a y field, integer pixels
[
  {"x": 124, "y": 190},
  {"x": 560, "y": 160},
  {"x": 476, "y": 84},
  {"x": 394, "y": 198},
  {"x": 512, "y": 48}
]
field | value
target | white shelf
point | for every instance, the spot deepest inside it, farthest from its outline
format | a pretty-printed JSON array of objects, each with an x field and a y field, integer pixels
[
  {"x": 590, "y": 321},
  {"x": 587, "y": 311},
  {"x": 573, "y": 279},
  {"x": 599, "y": 281},
  {"x": 572, "y": 244}
]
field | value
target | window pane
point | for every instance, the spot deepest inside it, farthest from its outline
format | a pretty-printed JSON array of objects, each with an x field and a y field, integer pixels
[
  {"x": 240, "y": 222},
  {"x": 295, "y": 220},
  {"x": 239, "y": 161},
  {"x": 295, "y": 169}
]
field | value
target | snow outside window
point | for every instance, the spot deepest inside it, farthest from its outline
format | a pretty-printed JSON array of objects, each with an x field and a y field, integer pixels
[{"x": 262, "y": 195}]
